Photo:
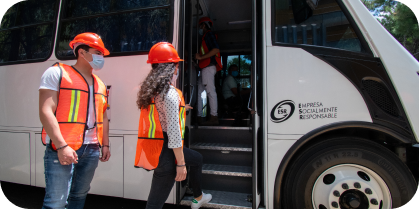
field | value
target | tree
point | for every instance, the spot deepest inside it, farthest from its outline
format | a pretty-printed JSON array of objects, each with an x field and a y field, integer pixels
[{"x": 399, "y": 20}]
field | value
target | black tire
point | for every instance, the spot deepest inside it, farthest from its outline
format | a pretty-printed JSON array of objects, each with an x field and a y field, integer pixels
[{"x": 306, "y": 168}]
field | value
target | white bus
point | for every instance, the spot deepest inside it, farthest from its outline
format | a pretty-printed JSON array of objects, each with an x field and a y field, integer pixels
[{"x": 333, "y": 118}]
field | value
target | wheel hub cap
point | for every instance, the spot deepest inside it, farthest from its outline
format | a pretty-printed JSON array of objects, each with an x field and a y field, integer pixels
[{"x": 350, "y": 186}]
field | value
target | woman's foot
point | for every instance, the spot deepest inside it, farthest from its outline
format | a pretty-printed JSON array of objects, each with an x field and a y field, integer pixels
[{"x": 205, "y": 198}]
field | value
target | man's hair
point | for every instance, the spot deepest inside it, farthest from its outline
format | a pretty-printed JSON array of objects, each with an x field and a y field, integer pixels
[
  {"x": 233, "y": 65},
  {"x": 84, "y": 47}
]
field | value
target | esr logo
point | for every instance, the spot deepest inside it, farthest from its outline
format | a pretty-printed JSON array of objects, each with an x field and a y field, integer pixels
[{"x": 282, "y": 111}]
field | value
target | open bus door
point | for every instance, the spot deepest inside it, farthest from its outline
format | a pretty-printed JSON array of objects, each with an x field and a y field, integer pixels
[
  {"x": 187, "y": 78},
  {"x": 256, "y": 113}
]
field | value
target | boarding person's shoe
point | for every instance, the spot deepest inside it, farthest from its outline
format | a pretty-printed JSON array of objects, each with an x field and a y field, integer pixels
[
  {"x": 205, "y": 199},
  {"x": 200, "y": 120},
  {"x": 213, "y": 121}
]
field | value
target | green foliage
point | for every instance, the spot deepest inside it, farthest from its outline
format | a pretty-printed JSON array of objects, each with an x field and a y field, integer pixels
[{"x": 399, "y": 20}]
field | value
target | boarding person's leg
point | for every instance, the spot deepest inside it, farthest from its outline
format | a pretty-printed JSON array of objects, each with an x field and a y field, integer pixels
[
  {"x": 200, "y": 90},
  {"x": 57, "y": 180},
  {"x": 84, "y": 171},
  {"x": 193, "y": 159},
  {"x": 163, "y": 178},
  {"x": 208, "y": 74}
]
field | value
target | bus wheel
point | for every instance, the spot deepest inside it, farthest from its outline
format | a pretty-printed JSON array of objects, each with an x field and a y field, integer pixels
[{"x": 347, "y": 173}]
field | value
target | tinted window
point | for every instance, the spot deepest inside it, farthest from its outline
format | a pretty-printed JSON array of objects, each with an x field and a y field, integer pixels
[
  {"x": 77, "y": 8},
  {"x": 243, "y": 62},
  {"x": 126, "y": 31},
  {"x": 321, "y": 25},
  {"x": 27, "y": 31}
]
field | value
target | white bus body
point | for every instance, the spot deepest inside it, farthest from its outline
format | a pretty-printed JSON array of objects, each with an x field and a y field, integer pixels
[{"x": 303, "y": 95}]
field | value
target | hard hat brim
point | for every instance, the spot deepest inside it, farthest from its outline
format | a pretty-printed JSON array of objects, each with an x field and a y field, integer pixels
[{"x": 163, "y": 61}]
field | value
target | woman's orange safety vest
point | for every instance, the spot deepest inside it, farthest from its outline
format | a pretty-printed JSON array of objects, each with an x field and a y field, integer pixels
[
  {"x": 73, "y": 105},
  {"x": 150, "y": 135},
  {"x": 205, "y": 62}
]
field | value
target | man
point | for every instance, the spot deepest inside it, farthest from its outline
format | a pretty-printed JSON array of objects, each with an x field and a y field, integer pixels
[
  {"x": 231, "y": 92},
  {"x": 210, "y": 62},
  {"x": 72, "y": 110}
]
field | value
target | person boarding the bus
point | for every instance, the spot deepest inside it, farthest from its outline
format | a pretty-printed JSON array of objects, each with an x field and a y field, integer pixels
[
  {"x": 209, "y": 59},
  {"x": 162, "y": 129},
  {"x": 72, "y": 110}
]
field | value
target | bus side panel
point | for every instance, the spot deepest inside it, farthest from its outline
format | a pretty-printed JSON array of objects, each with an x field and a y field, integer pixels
[
  {"x": 109, "y": 176},
  {"x": 401, "y": 66},
  {"x": 137, "y": 181},
  {"x": 19, "y": 95},
  {"x": 276, "y": 151},
  {"x": 305, "y": 93},
  {"x": 15, "y": 161}
]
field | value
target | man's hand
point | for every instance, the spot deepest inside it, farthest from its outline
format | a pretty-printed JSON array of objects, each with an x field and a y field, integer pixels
[
  {"x": 180, "y": 173},
  {"x": 198, "y": 56},
  {"x": 188, "y": 107},
  {"x": 67, "y": 155},
  {"x": 106, "y": 154}
]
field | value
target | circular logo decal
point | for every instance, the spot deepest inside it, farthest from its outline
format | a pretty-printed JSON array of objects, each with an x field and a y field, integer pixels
[{"x": 282, "y": 111}]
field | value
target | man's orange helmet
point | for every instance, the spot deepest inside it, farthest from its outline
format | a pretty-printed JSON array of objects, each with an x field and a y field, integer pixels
[
  {"x": 163, "y": 52},
  {"x": 90, "y": 39},
  {"x": 205, "y": 19}
]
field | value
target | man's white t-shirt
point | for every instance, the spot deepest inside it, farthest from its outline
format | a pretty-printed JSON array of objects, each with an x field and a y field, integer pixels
[
  {"x": 51, "y": 80},
  {"x": 228, "y": 84}
]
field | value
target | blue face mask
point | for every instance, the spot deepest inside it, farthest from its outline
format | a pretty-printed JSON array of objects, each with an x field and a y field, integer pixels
[
  {"x": 98, "y": 61},
  {"x": 235, "y": 73}
]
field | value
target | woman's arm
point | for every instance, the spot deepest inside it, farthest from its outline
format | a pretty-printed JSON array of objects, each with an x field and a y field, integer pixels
[
  {"x": 181, "y": 166},
  {"x": 171, "y": 105}
]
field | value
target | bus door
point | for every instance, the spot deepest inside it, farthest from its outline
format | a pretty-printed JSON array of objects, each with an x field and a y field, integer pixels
[{"x": 187, "y": 77}]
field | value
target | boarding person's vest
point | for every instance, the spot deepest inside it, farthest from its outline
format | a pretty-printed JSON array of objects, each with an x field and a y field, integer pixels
[
  {"x": 204, "y": 50},
  {"x": 150, "y": 135},
  {"x": 73, "y": 107}
]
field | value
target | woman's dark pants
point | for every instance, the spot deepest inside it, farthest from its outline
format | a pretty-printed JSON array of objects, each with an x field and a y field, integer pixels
[{"x": 165, "y": 174}]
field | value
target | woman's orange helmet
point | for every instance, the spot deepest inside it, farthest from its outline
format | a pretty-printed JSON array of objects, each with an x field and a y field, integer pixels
[
  {"x": 92, "y": 40},
  {"x": 163, "y": 52}
]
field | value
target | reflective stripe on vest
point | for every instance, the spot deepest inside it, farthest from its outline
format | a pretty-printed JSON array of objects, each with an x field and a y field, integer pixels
[
  {"x": 150, "y": 135},
  {"x": 152, "y": 129},
  {"x": 204, "y": 50},
  {"x": 73, "y": 107}
]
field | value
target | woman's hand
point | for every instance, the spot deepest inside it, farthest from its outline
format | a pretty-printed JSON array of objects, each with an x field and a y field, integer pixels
[
  {"x": 188, "y": 107},
  {"x": 180, "y": 173}
]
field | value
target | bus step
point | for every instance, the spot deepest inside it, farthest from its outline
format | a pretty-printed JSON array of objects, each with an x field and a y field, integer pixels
[
  {"x": 213, "y": 134},
  {"x": 221, "y": 199},
  {"x": 227, "y": 170},
  {"x": 222, "y": 146}
]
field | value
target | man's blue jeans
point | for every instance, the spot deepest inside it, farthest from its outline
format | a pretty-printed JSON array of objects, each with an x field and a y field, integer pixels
[{"x": 67, "y": 185}]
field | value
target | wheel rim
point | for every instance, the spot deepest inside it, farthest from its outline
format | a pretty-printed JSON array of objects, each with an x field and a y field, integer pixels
[{"x": 350, "y": 186}]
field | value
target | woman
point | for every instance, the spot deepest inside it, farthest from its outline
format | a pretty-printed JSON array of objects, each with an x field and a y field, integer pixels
[{"x": 161, "y": 130}]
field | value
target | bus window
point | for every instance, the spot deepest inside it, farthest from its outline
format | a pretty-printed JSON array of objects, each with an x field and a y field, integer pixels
[
  {"x": 78, "y": 8},
  {"x": 27, "y": 31},
  {"x": 324, "y": 24},
  {"x": 243, "y": 62},
  {"x": 124, "y": 25}
]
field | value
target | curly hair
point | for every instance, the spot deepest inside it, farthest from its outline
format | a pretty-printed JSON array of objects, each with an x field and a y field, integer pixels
[{"x": 157, "y": 82}]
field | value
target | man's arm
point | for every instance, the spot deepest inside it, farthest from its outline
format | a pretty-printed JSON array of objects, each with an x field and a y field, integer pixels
[
  {"x": 47, "y": 105},
  {"x": 211, "y": 53},
  {"x": 106, "y": 153}
]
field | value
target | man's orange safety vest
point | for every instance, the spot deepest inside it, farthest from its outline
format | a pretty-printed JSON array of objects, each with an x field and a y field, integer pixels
[
  {"x": 73, "y": 105},
  {"x": 150, "y": 135},
  {"x": 205, "y": 62}
]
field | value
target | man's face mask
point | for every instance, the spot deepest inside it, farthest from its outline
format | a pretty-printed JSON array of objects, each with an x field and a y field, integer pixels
[
  {"x": 235, "y": 73},
  {"x": 98, "y": 61}
]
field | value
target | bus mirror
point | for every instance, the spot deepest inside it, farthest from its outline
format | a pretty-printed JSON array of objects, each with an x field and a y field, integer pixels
[{"x": 302, "y": 10}]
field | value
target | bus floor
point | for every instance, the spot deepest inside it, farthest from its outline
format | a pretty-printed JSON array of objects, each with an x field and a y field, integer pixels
[{"x": 31, "y": 197}]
